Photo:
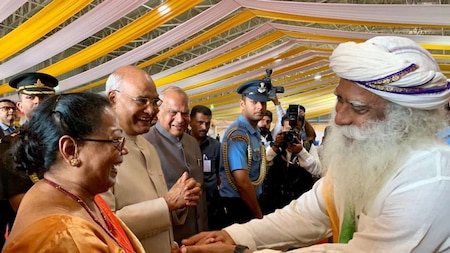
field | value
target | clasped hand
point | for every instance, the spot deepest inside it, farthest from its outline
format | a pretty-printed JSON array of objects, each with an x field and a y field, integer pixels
[{"x": 185, "y": 192}]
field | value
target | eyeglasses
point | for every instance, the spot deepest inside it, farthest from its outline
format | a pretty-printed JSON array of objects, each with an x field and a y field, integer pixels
[
  {"x": 143, "y": 101},
  {"x": 120, "y": 143},
  {"x": 7, "y": 108}
]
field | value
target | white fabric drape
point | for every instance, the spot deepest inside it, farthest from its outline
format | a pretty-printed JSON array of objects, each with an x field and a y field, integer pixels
[
  {"x": 384, "y": 13},
  {"x": 439, "y": 40},
  {"x": 93, "y": 21},
  {"x": 177, "y": 34},
  {"x": 7, "y": 7},
  {"x": 110, "y": 10},
  {"x": 258, "y": 31},
  {"x": 270, "y": 53},
  {"x": 243, "y": 64}
]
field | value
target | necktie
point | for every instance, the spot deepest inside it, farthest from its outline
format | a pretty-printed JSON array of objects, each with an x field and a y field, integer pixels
[{"x": 10, "y": 130}]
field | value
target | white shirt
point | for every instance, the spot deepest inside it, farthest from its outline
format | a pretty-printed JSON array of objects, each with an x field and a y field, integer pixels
[
  {"x": 308, "y": 160},
  {"x": 410, "y": 214}
]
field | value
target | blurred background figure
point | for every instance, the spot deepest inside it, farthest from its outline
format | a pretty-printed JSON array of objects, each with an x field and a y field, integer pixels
[
  {"x": 201, "y": 117},
  {"x": 264, "y": 129},
  {"x": 80, "y": 146},
  {"x": 8, "y": 114}
]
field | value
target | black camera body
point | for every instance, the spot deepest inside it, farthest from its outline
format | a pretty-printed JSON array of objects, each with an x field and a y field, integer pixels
[
  {"x": 268, "y": 81},
  {"x": 292, "y": 135}
]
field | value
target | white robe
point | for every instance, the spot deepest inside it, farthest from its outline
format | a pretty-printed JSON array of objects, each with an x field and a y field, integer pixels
[{"x": 410, "y": 214}]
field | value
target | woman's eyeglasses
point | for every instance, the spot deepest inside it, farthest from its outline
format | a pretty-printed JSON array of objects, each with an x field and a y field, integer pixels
[{"x": 119, "y": 143}]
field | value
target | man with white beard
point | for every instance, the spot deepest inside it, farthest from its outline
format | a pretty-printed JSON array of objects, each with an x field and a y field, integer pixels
[{"x": 388, "y": 182}]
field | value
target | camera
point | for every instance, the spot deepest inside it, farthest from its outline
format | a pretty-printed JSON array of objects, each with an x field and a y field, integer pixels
[
  {"x": 268, "y": 81},
  {"x": 291, "y": 136}
]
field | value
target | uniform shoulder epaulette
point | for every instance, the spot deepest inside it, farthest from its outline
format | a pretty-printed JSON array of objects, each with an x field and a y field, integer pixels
[{"x": 236, "y": 134}]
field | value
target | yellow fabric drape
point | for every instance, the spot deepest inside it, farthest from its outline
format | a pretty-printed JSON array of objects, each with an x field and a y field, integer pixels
[
  {"x": 234, "y": 86},
  {"x": 52, "y": 15},
  {"x": 215, "y": 31},
  {"x": 233, "y": 54},
  {"x": 290, "y": 17},
  {"x": 246, "y": 69},
  {"x": 137, "y": 28}
]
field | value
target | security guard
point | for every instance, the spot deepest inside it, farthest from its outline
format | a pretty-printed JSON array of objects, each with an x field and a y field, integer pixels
[
  {"x": 243, "y": 160},
  {"x": 33, "y": 88}
]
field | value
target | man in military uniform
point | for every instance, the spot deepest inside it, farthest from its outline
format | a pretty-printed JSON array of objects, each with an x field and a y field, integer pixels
[
  {"x": 33, "y": 88},
  {"x": 242, "y": 167}
]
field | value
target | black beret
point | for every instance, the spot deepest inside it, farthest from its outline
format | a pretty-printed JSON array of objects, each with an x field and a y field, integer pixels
[{"x": 34, "y": 83}]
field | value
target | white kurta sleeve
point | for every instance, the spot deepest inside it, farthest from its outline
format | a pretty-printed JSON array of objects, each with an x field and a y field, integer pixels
[
  {"x": 310, "y": 161},
  {"x": 301, "y": 223}
]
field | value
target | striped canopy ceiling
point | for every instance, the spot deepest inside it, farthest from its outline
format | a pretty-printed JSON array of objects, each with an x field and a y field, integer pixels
[{"x": 209, "y": 47}]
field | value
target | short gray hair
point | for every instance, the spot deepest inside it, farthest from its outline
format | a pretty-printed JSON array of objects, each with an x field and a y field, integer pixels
[{"x": 113, "y": 82}]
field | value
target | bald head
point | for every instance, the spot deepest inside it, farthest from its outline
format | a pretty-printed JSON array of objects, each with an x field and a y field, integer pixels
[
  {"x": 134, "y": 98},
  {"x": 125, "y": 74}
]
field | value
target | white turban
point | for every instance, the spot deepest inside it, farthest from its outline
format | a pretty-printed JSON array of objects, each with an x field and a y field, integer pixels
[{"x": 394, "y": 68}]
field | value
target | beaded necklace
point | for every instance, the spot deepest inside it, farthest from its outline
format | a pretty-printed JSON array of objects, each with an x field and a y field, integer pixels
[{"x": 83, "y": 204}]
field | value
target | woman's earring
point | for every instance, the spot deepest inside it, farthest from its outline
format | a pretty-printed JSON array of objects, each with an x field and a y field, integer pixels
[{"x": 75, "y": 162}]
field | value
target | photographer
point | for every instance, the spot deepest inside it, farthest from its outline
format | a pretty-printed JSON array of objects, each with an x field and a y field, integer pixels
[
  {"x": 293, "y": 168},
  {"x": 308, "y": 134},
  {"x": 266, "y": 121}
]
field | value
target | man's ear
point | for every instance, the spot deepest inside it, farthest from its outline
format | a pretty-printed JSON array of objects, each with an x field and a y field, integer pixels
[
  {"x": 19, "y": 106},
  {"x": 112, "y": 97},
  {"x": 241, "y": 103}
]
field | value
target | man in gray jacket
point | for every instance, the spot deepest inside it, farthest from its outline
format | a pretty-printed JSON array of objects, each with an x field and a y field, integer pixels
[{"x": 179, "y": 153}]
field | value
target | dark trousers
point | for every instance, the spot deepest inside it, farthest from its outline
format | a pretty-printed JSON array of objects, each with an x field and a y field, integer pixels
[
  {"x": 234, "y": 210},
  {"x": 6, "y": 219},
  {"x": 212, "y": 203}
]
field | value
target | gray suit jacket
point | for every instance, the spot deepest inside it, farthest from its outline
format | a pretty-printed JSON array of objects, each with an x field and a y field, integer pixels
[{"x": 178, "y": 156}]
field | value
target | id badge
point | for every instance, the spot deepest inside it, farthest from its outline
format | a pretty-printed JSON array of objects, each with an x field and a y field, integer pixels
[{"x": 206, "y": 165}]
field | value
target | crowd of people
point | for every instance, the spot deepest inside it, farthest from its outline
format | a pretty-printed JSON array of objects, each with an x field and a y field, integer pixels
[{"x": 135, "y": 170}]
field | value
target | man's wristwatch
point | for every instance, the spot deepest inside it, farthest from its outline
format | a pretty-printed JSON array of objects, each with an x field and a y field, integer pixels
[{"x": 240, "y": 248}]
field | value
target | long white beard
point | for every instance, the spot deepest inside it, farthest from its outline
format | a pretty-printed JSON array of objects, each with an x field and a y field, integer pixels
[{"x": 361, "y": 159}]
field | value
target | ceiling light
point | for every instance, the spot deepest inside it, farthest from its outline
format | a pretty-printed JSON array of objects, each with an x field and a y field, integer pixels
[
  {"x": 163, "y": 9},
  {"x": 317, "y": 77}
]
